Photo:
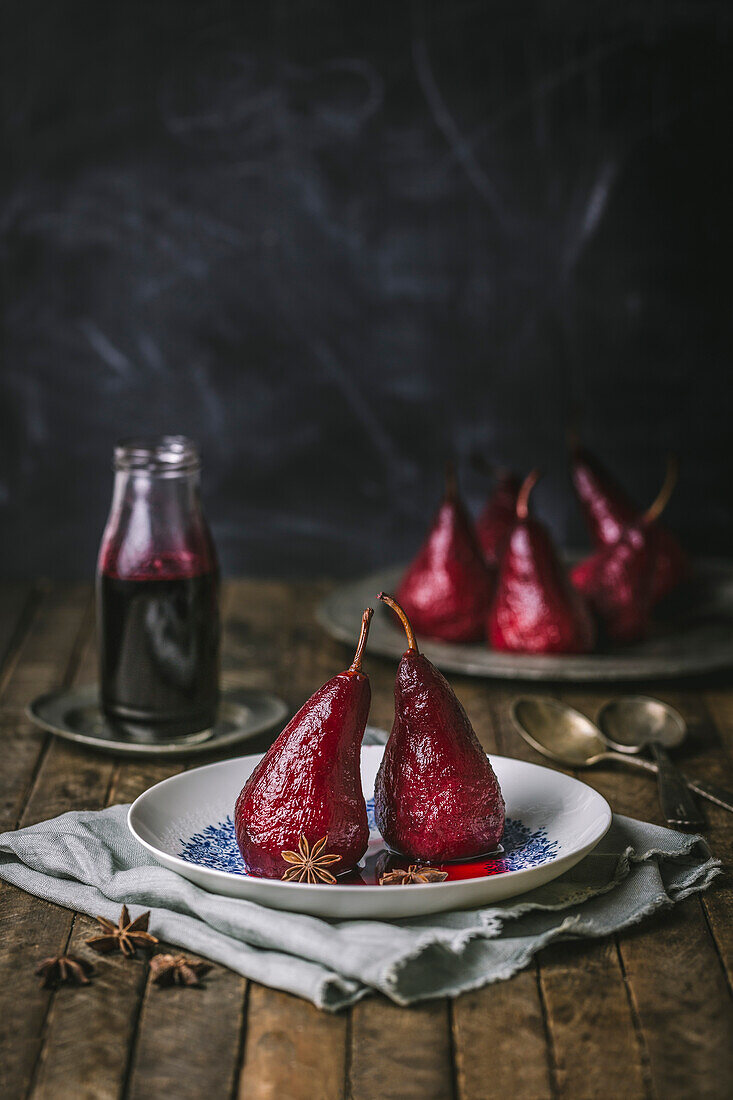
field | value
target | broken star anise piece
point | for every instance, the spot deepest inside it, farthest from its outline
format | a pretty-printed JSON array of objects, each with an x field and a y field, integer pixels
[
  {"x": 64, "y": 968},
  {"x": 177, "y": 970},
  {"x": 126, "y": 934},
  {"x": 402, "y": 877},
  {"x": 309, "y": 864}
]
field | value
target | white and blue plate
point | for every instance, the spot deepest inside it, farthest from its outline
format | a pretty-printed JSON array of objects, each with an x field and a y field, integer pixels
[{"x": 553, "y": 820}]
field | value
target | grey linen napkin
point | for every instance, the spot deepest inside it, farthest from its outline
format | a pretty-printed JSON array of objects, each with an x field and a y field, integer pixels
[{"x": 88, "y": 861}]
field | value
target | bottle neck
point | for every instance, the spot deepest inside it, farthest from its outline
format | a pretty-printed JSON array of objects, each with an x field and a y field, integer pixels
[{"x": 156, "y": 527}]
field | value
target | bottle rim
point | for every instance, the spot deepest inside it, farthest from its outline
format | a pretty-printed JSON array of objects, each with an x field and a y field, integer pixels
[{"x": 165, "y": 454}]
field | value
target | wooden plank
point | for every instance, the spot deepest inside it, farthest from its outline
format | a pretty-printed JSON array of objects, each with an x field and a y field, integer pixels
[
  {"x": 132, "y": 777},
  {"x": 31, "y": 928},
  {"x": 259, "y": 628},
  {"x": 683, "y": 1003},
  {"x": 23, "y": 1004},
  {"x": 90, "y": 1030},
  {"x": 18, "y": 605},
  {"x": 500, "y": 1042},
  {"x": 40, "y": 664},
  {"x": 400, "y": 1053},
  {"x": 594, "y": 1041},
  {"x": 676, "y": 983},
  {"x": 594, "y": 973},
  {"x": 188, "y": 1038},
  {"x": 44, "y": 656},
  {"x": 16, "y": 608},
  {"x": 719, "y": 702},
  {"x": 69, "y": 776},
  {"x": 717, "y": 767},
  {"x": 292, "y": 1050}
]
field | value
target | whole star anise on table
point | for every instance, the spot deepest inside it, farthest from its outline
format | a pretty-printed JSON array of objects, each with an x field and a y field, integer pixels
[
  {"x": 413, "y": 874},
  {"x": 309, "y": 864},
  {"x": 58, "y": 969},
  {"x": 126, "y": 934},
  {"x": 177, "y": 970}
]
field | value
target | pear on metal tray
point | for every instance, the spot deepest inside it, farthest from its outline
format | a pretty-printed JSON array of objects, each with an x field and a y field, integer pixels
[
  {"x": 494, "y": 524},
  {"x": 536, "y": 609},
  {"x": 619, "y": 579},
  {"x": 447, "y": 589},
  {"x": 609, "y": 512}
]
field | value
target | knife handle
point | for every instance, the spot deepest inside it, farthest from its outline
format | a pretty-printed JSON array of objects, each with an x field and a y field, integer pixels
[{"x": 678, "y": 803}]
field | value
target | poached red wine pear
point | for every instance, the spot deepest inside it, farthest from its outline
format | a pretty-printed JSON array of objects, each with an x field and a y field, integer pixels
[
  {"x": 618, "y": 580},
  {"x": 536, "y": 608},
  {"x": 447, "y": 589},
  {"x": 436, "y": 797},
  {"x": 494, "y": 524},
  {"x": 308, "y": 784},
  {"x": 606, "y": 507},
  {"x": 609, "y": 513}
]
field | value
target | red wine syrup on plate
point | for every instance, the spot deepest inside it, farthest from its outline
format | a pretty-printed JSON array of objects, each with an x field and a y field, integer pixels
[{"x": 379, "y": 860}]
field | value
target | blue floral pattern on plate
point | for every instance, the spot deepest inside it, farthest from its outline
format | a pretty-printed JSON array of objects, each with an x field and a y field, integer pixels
[{"x": 216, "y": 847}]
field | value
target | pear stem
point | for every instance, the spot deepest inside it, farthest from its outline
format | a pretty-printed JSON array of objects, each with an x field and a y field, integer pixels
[
  {"x": 366, "y": 618},
  {"x": 523, "y": 496},
  {"x": 656, "y": 508},
  {"x": 411, "y": 642}
]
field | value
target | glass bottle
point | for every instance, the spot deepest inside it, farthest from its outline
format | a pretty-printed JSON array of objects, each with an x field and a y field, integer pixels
[{"x": 158, "y": 594}]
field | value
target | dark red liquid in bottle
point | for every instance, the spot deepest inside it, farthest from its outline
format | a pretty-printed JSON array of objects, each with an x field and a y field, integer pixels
[
  {"x": 158, "y": 596},
  {"x": 159, "y": 650}
]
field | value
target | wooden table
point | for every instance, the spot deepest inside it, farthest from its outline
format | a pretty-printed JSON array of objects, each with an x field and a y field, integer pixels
[{"x": 647, "y": 1013}]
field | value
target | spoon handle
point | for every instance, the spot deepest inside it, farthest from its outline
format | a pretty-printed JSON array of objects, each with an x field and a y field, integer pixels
[
  {"x": 719, "y": 795},
  {"x": 711, "y": 791},
  {"x": 676, "y": 799}
]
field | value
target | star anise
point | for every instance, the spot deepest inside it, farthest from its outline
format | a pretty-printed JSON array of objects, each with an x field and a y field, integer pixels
[
  {"x": 177, "y": 970},
  {"x": 402, "y": 877},
  {"x": 309, "y": 864},
  {"x": 64, "y": 968},
  {"x": 126, "y": 934}
]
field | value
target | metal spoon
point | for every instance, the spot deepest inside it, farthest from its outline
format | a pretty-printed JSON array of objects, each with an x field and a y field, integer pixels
[
  {"x": 633, "y": 723},
  {"x": 566, "y": 736}
]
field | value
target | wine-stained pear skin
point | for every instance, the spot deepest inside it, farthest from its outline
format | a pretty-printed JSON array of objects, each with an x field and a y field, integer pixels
[
  {"x": 436, "y": 797},
  {"x": 308, "y": 784},
  {"x": 619, "y": 580},
  {"x": 447, "y": 589},
  {"x": 606, "y": 507},
  {"x": 617, "y": 583},
  {"x": 494, "y": 524},
  {"x": 609, "y": 513},
  {"x": 536, "y": 609}
]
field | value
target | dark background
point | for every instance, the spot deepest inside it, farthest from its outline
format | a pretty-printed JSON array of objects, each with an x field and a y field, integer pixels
[{"x": 336, "y": 242}]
